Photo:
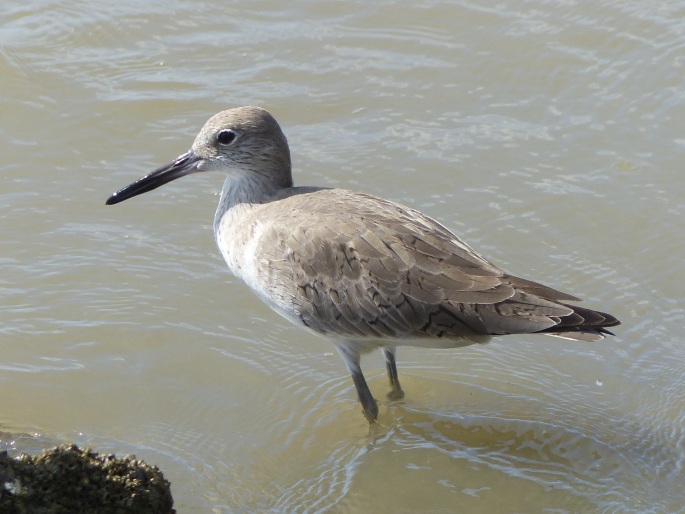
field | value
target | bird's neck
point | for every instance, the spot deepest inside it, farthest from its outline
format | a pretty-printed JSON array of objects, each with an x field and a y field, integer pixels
[{"x": 243, "y": 191}]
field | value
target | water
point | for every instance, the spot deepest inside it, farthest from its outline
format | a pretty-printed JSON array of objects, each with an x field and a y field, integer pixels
[{"x": 548, "y": 134}]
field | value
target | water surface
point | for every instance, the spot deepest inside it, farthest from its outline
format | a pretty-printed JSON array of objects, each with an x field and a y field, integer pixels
[{"x": 548, "y": 134}]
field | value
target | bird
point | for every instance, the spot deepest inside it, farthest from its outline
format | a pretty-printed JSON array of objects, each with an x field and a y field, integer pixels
[{"x": 365, "y": 272}]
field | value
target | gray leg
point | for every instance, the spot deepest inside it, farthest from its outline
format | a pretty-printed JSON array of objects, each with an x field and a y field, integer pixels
[
  {"x": 396, "y": 393},
  {"x": 351, "y": 358}
]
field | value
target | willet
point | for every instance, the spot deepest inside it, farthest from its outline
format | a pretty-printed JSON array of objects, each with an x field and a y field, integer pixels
[{"x": 363, "y": 271}]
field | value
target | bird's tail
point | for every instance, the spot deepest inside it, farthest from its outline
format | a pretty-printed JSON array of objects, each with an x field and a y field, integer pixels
[{"x": 582, "y": 325}]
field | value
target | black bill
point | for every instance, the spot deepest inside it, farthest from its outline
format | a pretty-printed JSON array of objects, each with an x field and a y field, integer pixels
[{"x": 183, "y": 165}]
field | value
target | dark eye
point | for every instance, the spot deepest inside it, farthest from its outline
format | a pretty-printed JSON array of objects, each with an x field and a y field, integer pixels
[{"x": 226, "y": 137}]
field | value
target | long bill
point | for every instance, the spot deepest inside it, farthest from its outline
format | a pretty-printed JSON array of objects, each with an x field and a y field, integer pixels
[{"x": 183, "y": 165}]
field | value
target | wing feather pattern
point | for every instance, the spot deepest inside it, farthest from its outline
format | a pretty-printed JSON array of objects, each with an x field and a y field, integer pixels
[{"x": 386, "y": 270}]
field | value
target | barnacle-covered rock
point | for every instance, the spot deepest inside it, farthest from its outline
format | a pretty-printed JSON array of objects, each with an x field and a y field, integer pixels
[{"x": 68, "y": 479}]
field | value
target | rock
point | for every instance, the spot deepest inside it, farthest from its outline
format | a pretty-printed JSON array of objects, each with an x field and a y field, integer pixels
[{"x": 68, "y": 479}]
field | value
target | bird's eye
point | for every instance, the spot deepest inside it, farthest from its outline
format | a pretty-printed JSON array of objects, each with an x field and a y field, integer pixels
[{"x": 225, "y": 137}]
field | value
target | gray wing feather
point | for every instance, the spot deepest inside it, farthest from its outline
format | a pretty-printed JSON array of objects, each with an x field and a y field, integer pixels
[{"x": 366, "y": 267}]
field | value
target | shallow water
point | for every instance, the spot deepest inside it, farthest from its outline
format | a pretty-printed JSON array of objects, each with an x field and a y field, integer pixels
[{"x": 548, "y": 134}]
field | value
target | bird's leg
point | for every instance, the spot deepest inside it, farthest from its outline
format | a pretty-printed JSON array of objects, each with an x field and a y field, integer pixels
[
  {"x": 369, "y": 405},
  {"x": 351, "y": 358},
  {"x": 396, "y": 393}
]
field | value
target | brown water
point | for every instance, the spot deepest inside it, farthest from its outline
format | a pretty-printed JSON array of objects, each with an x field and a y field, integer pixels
[{"x": 550, "y": 135}]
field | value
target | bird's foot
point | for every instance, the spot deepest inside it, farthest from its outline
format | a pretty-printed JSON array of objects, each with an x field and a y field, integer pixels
[{"x": 395, "y": 394}]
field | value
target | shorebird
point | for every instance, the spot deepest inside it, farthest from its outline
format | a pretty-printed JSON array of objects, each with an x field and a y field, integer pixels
[{"x": 365, "y": 272}]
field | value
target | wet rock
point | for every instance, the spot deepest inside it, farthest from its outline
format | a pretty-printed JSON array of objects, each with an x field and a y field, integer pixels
[{"x": 68, "y": 479}]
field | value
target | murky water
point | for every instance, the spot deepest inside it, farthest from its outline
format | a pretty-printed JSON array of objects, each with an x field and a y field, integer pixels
[{"x": 550, "y": 135}]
